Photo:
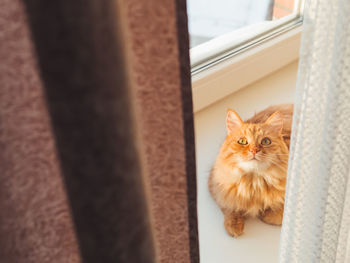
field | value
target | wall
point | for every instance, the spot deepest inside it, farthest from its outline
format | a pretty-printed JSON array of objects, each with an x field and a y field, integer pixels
[{"x": 261, "y": 241}]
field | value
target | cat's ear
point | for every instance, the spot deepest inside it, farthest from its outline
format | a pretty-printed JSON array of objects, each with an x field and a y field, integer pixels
[
  {"x": 276, "y": 121},
  {"x": 233, "y": 121}
]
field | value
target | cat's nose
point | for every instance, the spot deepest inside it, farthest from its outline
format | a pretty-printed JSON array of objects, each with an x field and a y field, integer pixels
[{"x": 254, "y": 150}]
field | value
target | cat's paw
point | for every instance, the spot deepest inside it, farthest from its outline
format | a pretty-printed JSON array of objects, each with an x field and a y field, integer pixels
[
  {"x": 272, "y": 217},
  {"x": 234, "y": 226}
]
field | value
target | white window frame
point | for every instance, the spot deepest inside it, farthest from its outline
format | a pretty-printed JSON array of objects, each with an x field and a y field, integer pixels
[{"x": 230, "y": 62}]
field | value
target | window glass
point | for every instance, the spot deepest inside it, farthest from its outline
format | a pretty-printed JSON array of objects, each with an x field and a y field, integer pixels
[{"x": 209, "y": 19}]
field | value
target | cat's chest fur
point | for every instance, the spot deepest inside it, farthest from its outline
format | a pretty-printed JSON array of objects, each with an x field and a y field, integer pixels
[{"x": 247, "y": 190}]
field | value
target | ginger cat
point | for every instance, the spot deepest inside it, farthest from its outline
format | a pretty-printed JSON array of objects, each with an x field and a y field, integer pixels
[{"x": 249, "y": 174}]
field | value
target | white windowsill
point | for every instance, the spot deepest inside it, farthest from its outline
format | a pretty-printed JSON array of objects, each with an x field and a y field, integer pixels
[
  {"x": 260, "y": 242},
  {"x": 236, "y": 72}
]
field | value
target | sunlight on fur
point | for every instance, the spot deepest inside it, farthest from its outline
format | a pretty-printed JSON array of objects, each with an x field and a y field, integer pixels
[{"x": 249, "y": 175}]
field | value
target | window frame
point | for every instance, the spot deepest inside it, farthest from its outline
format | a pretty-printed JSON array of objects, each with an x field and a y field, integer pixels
[{"x": 222, "y": 66}]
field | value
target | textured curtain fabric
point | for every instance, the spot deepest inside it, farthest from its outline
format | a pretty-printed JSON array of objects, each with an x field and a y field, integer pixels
[
  {"x": 35, "y": 221},
  {"x": 317, "y": 210},
  {"x": 160, "y": 72},
  {"x": 96, "y": 132}
]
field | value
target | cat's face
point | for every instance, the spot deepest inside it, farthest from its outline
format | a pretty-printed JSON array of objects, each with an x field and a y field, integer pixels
[{"x": 255, "y": 146}]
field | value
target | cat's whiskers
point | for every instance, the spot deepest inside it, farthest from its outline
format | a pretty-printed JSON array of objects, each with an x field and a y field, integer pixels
[
  {"x": 273, "y": 161},
  {"x": 278, "y": 165},
  {"x": 271, "y": 156}
]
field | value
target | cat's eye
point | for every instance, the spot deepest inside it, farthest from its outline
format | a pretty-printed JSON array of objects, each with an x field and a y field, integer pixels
[
  {"x": 265, "y": 141},
  {"x": 243, "y": 141}
]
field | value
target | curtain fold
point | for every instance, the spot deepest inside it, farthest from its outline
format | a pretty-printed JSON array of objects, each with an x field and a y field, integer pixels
[
  {"x": 158, "y": 58},
  {"x": 317, "y": 218},
  {"x": 82, "y": 66},
  {"x": 35, "y": 221},
  {"x": 96, "y": 132}
]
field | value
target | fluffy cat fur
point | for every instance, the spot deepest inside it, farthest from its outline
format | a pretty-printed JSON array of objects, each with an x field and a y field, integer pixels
[{"x": 249, "y": 174}]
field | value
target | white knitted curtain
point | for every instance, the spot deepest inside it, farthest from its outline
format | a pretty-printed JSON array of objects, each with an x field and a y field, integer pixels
[{"x": 317, "y": 210}]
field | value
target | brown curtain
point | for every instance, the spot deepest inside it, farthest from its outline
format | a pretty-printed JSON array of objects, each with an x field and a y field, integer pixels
[{"x": 97, "y": 158}]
